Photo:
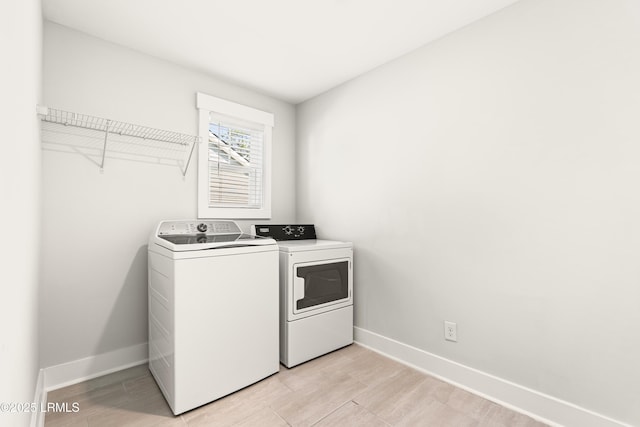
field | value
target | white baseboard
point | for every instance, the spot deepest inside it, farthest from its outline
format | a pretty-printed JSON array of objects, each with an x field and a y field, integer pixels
[
  {"x": 40, "y": 398},
  {"x": 539, "y": 406},
  {"x": 69, "y": 373}
]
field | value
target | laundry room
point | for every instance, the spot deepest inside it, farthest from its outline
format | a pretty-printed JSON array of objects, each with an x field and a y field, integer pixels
[{"x": 482, "y": 164}]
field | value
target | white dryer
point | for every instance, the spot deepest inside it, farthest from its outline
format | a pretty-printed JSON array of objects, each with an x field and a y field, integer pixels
[
  {"x": 316, "y": 292},
  {"x": 213, "y": 310}
]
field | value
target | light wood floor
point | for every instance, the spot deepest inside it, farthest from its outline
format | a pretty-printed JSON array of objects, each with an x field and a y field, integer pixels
[{"x": 349, "y": 387}]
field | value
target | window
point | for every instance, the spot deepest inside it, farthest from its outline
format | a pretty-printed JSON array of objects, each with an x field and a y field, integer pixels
[{"x": 234, "y": 160}]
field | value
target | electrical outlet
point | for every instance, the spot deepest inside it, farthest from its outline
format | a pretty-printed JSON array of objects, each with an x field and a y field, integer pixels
[{"x": 450, "y": 331}]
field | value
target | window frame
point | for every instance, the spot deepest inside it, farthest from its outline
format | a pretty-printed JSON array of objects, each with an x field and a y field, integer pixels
[{"x": 208, "y": 104}]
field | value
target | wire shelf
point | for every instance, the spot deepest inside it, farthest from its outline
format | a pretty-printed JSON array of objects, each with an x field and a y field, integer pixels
[{"x": 116, "y": 130}]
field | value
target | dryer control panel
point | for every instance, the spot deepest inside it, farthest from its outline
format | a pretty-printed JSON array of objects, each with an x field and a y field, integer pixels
[{"x": 286, "y": 231}]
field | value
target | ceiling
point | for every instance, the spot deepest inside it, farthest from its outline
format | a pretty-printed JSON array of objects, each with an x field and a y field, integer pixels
[{"x": 289, "y": 49}]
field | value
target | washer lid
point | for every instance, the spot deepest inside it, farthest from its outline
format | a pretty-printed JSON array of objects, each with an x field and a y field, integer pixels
[
  {"x": 193, "y": 235},
  {"x": 311, "y": 245}
]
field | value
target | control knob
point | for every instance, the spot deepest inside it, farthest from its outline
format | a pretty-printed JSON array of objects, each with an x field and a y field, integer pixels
[{"x": 202, "y": 227}]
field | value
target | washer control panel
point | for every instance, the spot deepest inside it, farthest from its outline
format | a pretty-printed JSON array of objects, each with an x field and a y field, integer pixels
[
  {"x": 286, "y": 231},
  {"x": 211, "y": 227}
]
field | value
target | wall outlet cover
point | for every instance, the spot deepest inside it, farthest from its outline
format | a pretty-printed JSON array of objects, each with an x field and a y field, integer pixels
[{"x": 450, "y": 331}]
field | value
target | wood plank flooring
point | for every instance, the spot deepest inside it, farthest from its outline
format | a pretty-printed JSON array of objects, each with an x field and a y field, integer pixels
[{"x": 349, "y": 387}]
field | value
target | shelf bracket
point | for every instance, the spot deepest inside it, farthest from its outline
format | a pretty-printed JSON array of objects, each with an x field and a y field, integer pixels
[
  {"x": 104, "y": 147},
  {"x": 186, "y": 166}
]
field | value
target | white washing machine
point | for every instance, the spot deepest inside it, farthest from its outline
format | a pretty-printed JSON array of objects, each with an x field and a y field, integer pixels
[
  {"x": 316, "y": 292},
  {"x": 213, "y": 310}
]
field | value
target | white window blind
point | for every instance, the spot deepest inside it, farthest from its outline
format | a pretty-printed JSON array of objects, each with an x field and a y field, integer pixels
[
  {"x": 235, "y": 164},
  {"x": 234, "y": 161}
]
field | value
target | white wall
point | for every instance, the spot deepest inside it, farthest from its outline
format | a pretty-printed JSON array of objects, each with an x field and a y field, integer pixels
[
  {"x": 491, "y": 179},
  {"x": 96, "y": 225},
  {"x": 21, "y": 47}
]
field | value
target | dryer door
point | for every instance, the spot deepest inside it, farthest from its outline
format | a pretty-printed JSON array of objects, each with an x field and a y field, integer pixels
[{"x": 320, "y": 286}]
